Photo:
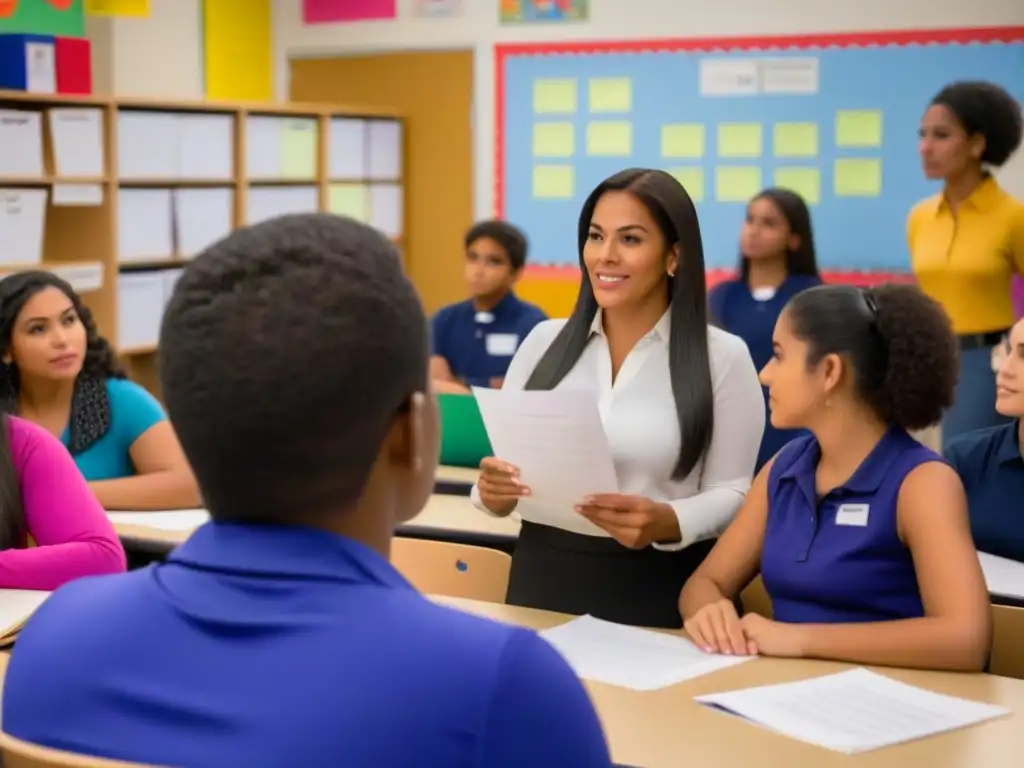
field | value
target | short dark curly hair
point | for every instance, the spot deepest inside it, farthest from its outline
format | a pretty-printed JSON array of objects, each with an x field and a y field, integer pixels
[
  {"x": 15, "y": 291},
  {"x": 509, "y": 237},
  {"x": 899, "y": 343},
  {"x": 286, "y": 352},
  {"x": 987, "y": 109}
]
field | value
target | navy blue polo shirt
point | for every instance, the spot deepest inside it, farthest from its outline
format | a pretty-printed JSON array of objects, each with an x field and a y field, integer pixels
[
  {"x": 283, "y": 646},
  {"x": 479, "y": 345},
  {"x": 840, "y": 559},
  {"x": 991, "y": 468},
  {"x": 734, "y": 308}
]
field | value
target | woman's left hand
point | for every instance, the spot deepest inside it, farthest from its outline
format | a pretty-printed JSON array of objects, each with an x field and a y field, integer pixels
[
  {"x": 633, "y": 521},
  {"x": 772, "y": 638}
]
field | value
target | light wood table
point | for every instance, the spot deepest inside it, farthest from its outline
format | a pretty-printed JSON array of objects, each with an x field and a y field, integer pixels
[
  {"x": 444, "y": 518},
  {"x": 455, "y": 480},
  {"x": 667, "y": 728}
]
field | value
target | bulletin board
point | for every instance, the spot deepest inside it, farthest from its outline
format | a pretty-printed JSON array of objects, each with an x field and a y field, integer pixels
[{"x": 833, "y": 117}]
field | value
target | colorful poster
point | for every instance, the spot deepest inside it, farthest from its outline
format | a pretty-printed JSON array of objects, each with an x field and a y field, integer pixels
[
  {"x": 532, "y": 11},
  {"x": 331, "y": 11},
  {"x": 64, "y": 18},
  {"x": 133, "y": 8}
]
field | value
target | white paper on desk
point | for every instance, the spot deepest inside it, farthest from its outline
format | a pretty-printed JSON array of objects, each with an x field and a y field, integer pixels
[
  {"x": 171, "y": 520},
  {"x": 77, "y": 141},
  {"x": 1004, "y": 578},
  {"x": 16, "y": 606},
  {"x": 852, "y": 712},
  {"x": 556, "y": 440},
  {"x": 21, "y": 143},
  {"x": 22, "y": 221},
  {"x": 639, "y": 659}
]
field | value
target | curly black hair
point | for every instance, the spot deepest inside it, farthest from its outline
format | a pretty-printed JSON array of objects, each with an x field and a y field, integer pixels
[
  {"x": 506, "y": 235},
  {"x": 898, "y": 341},
  {"x": 15, "y": 291},
  {"x": 987, "y": 109},
  {"x": 286, "y": 352}
]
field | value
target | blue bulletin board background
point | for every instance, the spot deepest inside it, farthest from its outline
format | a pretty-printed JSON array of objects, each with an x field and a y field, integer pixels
[{"x": 571, "y": 115}]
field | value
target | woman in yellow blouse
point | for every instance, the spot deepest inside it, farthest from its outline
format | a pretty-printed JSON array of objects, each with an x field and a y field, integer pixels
[{"x": 967, "y": 242}]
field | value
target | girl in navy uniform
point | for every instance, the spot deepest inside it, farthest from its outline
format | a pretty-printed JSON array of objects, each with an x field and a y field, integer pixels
[{"x": 859, "y": 532}]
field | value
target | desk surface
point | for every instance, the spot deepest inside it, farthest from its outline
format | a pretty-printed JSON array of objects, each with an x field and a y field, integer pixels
[
  {"x": 457, "y": 474},
  {"x": 667, "y": 728},
  {"x": 447, "y": 513}
]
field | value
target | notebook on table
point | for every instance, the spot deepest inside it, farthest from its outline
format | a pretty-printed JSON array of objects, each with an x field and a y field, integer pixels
[
  {"x": 464, "y": 440},
  {"x": 16, "y": 607}
]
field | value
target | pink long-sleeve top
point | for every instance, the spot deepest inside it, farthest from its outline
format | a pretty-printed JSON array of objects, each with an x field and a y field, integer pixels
[{"x": 72, "y": 534}]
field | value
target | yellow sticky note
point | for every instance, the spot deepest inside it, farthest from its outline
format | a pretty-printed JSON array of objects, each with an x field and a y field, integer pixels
[
  {"x": 610, "y": 94},
  {"x": 554, "y": 95},
  {"x": 137, "y": 8},
  {"x": 859, "y": 128},
  {"x": 740, "y": 140},
  {"x": 682, "y": 140},
  {"x": 553, "y": 140},
  {"x": 238, "y": 49},
  {"x": 692, "y": 180},
  {"x": 795, "y": 140},
  {"x": 736, "y": 183},
  {"x": 298, "y": 148},
  {"x": 610, "y": 138},
  {"x": 858, "y": 177},
  {"x": 806, "y": 182},
  {"x": 553, "y": 182},
  {"x": 349, "y": 200}
]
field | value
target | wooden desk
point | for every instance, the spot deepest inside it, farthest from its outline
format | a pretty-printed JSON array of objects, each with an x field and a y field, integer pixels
[
  {"x": 445, "y": 518},
  {"x": 668, "y": 729},
  {"x": 456, "y": 481}
]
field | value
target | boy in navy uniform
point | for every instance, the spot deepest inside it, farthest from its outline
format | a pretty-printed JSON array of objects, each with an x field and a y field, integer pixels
[{"x": 472, "y": 342}]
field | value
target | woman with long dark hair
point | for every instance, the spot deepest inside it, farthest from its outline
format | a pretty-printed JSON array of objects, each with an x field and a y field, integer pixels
[
  {"x": 680, "y": 403},
  {"x": 52, "y": 529},
  {"x": 60, "y": 373},
  {"x": 777, "y": 261}
]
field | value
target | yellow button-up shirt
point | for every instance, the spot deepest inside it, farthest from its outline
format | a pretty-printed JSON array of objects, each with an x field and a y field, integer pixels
[{"x": 966, "y": 260}]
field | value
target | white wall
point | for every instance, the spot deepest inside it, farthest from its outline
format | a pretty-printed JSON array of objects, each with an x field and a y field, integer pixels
[{"x": 478, "y": 29}]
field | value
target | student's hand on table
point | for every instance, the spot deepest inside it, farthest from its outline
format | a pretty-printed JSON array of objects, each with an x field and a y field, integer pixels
[
  {"x": 499, "y": 486},
  {"x": 717, "y": 628},
  {"x": 772, "y": 638},
  {"x": 633, "y": 521}
]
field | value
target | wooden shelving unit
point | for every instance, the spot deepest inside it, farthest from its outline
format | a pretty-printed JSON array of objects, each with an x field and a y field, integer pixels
[{"x": 121, "y": 237}]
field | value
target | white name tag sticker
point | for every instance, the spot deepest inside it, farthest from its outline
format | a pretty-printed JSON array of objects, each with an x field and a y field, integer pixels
[
  {"x": 502, "y": 344},
  {"x": 853, "y": 514}
]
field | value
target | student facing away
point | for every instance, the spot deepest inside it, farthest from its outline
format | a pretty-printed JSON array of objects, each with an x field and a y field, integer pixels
[
  {"x": 44, "y": 497},
  {"x": 860, "y": 533},
  {"x": 60, "y": 373},
  {"x": 777, "y": 261},
  {"x": 472, "y": 342},
  {"x": 279, "y": 634},
  {"x": 679, "y": 401},
  {"x": 990, "y": 462}
]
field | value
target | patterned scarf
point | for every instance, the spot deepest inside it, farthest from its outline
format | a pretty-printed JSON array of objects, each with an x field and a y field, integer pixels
[{"x": 90, "y": 414}]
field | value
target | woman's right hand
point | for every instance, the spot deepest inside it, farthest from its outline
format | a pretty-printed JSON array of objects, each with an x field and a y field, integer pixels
[
  {"x": 499, "y": 486},
  {"x": 716, "y": 628}
]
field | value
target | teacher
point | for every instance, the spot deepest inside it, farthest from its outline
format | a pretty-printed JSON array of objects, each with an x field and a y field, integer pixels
[
  {"x": 679, "y": 400},
  {"x": 967, "y": 242}
]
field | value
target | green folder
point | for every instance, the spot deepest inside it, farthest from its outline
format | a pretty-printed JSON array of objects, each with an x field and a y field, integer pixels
[{"x": 464, "y": 440}]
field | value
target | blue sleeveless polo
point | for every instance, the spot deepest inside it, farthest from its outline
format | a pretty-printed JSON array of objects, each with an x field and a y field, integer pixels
[{"x": 840, "y": 559}]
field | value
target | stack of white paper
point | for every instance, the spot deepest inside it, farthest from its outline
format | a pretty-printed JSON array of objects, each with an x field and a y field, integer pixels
[
  {"x": 201, "y": 218},
  {"x": 16, "y": 606},
  {"x": 21, "y": 143},
  {"x": 171, "y": 520},
  {"x": 851, "y": 712},
  {"x": 145, "y": 225},
  {"x": 22, "y": 223},
  {"x": 77, "y": 135},
  {"x": 1005, "y": 578},
  {"x": 628, "y": 657},
  {"x": 346, "y": 153}
]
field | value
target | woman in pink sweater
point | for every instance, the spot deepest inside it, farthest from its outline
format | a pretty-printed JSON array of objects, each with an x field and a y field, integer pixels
[{"x": 52, "y": 529}]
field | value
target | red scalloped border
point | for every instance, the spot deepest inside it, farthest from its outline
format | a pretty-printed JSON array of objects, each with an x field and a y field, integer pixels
[{"x": 955, "y": 36}]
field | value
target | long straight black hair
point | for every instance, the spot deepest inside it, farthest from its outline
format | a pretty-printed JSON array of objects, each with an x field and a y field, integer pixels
[
  {"x": 802, "y": 260},
  {"x": 12, "y": 513},
  {"x": 689, "y": 359}
]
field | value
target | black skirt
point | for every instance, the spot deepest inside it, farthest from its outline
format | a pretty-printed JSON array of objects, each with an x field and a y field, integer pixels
[{"x": 556, "y": 570}]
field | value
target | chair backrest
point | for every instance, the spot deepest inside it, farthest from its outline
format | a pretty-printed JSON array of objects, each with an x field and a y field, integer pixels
[
  {"x": 755, "y": 599},
  {"x": 20, "y": 754},
  {"x": 1007, "y": 657},
  {"x": 453, "y": 570}
]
